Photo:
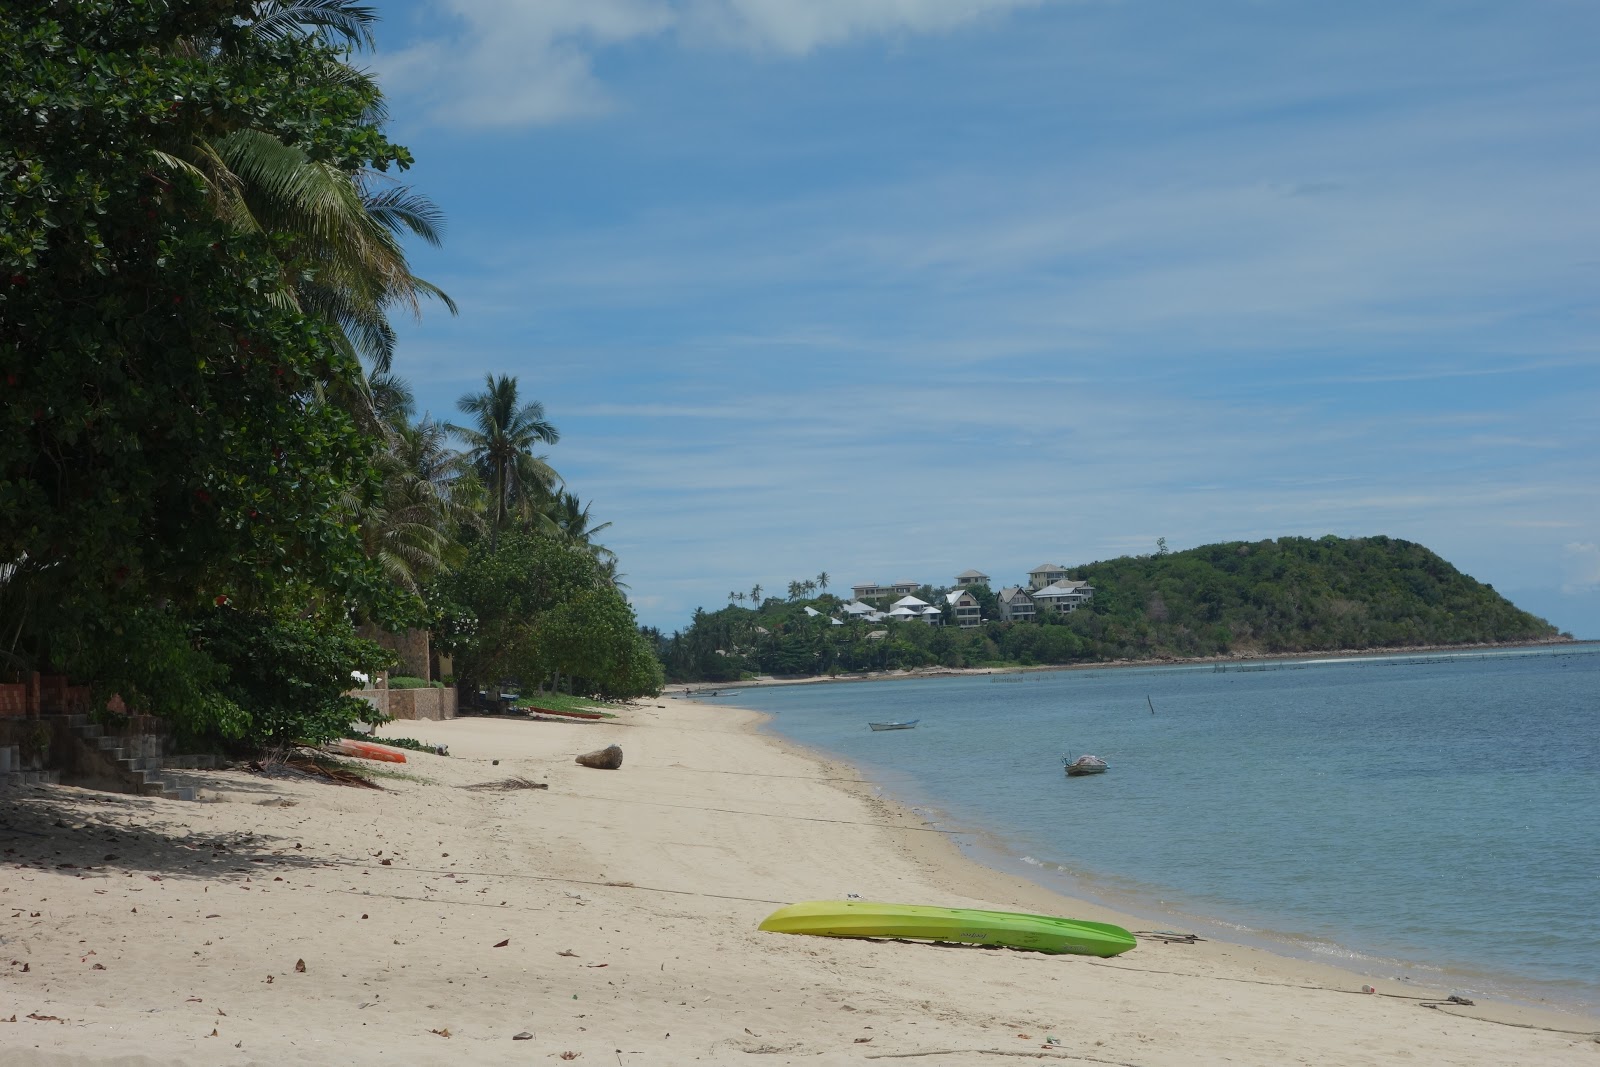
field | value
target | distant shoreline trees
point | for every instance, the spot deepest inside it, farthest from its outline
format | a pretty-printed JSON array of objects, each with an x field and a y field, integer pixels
[{"x": 1292, "y": 595}]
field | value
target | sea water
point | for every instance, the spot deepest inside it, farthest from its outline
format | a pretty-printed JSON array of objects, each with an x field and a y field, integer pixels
[{"x": 1426, "y": 817}]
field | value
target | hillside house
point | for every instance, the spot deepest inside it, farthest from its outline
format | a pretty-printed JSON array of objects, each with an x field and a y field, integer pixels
[
  {"x": 1063, "y": 597},
  {"x": 1046, "y": 574},
  {"x": 966, "y": 578},
  {"x": 965, "y": 607},
  {"x": 1015, "y": 605}
]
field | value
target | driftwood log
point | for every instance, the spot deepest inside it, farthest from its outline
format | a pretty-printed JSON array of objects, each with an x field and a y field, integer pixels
[{"x": 606, "y": 759}]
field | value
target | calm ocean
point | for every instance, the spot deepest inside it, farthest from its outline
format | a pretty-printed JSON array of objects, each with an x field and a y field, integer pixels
[{"x": 1430, "y": 816}]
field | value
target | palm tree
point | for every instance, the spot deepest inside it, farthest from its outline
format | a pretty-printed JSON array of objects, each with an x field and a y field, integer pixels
[
  {"x": 500, "y": 447},
  {"x": 822, "y": 580},
  {"x": 755, "y": 594},
  {"x": 411, "y": 528},
  {"x": 567, "y": 519},
  {"x": 343, "y": 259}
]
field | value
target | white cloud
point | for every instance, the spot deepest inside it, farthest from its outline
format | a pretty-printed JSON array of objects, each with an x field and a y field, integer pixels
[
  {"x": 1583, "y": 567},
  {"x": 800, "y": 26},
  {"x": 524, "y": 62},
  {"x": 517, "y": 62}
]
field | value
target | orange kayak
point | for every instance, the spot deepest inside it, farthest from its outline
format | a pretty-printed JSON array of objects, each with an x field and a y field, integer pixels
[{"x": 367, "y": 750}]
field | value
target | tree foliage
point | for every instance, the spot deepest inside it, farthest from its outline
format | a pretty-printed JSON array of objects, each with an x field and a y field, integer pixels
[
  {"x": 531, "y": 608},
  {"x": 167, "y": 441}
]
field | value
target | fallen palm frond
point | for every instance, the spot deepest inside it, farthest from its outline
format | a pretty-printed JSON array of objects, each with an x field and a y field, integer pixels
[
  {"x": 301, "y": 765},
  {"x": 505, "y": 785}
]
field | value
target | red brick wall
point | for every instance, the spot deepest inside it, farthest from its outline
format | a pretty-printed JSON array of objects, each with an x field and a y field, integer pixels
[{"x": 14, "y": 700}]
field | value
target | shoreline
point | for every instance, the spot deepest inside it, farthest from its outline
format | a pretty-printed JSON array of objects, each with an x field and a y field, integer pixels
[
  {"x": 990, "y": 861},
  {"x": 1120, "y": 664},
  {"x": 613, "y": 915}
]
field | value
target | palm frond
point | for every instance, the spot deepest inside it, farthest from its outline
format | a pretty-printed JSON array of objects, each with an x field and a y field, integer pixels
[{"x": 278, "y": 19}]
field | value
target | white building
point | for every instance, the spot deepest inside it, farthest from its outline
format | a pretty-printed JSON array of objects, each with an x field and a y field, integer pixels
[
  {"x": 1046, "y": 574},
  {"x": 1063, "y": 597},
  {"x": 965, "y": 607},
  {"x": 966, "y": 578},
  {"x": 1015, "y": 605}
]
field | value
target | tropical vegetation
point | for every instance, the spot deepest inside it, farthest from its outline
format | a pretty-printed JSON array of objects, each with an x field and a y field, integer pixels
[
  {"x": 210, "y": 475},
  {"x": 1290, "y": 595}
]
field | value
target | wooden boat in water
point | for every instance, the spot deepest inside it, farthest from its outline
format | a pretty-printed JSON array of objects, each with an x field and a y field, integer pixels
[
  {"x": 864, "y": 918},
  {"x": 1083, "y": 765},
  {"x": 908, "y": 724}
]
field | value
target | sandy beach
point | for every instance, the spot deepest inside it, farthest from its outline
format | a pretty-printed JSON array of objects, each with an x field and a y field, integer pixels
[{"x": 612, "y": 918}]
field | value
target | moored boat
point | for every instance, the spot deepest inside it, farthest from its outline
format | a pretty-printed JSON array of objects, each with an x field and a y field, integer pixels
[
  {"x": 1084, "y": 764},
  {"x": 864, "y": 918},
  {"x": 906, "y": 725}
]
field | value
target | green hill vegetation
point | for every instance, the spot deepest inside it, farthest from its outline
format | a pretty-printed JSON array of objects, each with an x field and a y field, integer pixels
[{"x": 1292, "y": 595}]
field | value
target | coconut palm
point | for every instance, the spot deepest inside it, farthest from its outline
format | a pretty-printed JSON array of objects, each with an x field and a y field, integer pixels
[
  {"x": 500, "y": 447},
  {"x": 410, "y": 528},
  {"x": 755, "y": 594},
  {"x": 341, "y": 231},
  {"x": 822, "y": 580},
  {"x": 568, "y": 520}
]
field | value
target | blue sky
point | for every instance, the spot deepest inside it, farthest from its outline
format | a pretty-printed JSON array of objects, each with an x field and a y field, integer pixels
[{"x": 895, "y": 288}]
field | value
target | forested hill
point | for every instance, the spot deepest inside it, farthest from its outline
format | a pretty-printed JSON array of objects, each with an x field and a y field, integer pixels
[
  {"x": 1285, "y": 596},
  {"x": 1297, "y": 594}
]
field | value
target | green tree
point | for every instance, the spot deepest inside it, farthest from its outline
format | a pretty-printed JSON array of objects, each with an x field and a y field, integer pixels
[
  {"x": 500, "y": 444},
  {"x": 169, "y": 436}
]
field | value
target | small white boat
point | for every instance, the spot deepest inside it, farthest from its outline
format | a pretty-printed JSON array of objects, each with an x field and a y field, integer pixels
[
  {"x": 908, "y": 724},
  {"x": 1082, "y": 765}
]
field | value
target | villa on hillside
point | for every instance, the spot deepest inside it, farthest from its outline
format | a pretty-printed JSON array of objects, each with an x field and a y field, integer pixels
[
  {"x": 1063, "y": 597},
  {"x": 909, "y": 607},
  {"x": 1015, "y": 605},
  {"x": 965, "y": 606},
  {"x": 873, "y": 591},
  {"x": 1049, "y": 590},
  {"x": 1046, "y": 574}
]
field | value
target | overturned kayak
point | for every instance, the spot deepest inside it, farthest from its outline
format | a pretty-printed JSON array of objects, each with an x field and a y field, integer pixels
[
  {"x": 366, "y": 750},
  {"x": 863, "y": 918}
]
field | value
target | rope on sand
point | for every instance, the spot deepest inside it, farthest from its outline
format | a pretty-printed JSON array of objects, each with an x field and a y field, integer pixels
[
  {"x": 1437, "y": 1003},
  {"x": 994, "y": 1052},
  {"x": 769, "y": 814},
  {"x": 553, "y": 878}
]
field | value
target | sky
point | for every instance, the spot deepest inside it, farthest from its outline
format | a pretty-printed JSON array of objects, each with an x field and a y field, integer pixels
[{"x": 896, "y": 288}]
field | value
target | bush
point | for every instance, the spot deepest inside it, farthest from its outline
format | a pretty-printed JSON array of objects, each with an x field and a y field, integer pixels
[
  {"x": 288, "y": 676},
  {"x": 407, "y": 681}
]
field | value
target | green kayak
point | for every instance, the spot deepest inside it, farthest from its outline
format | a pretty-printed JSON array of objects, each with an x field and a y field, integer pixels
[{"x": 864, "y": 918}]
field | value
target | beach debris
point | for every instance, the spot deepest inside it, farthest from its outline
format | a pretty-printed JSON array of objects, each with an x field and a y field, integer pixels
[
  {"x": 524, "y": 1036},
  {"x": 605, "y": 759},
  {"x": 507, "y": 784},
  {"x": 1171, "y": 937},
  {"x": 1457, "y": 998},
  {"x": 300, "y": 966},
  {"x": 1369, "y": 989},
  {"x": 442, "y": 1033},
  {"x": 502, "y": 944},
  {"x": 566, "y": 952}
]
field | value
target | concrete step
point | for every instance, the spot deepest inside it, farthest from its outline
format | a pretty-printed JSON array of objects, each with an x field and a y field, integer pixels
[{"x": 23, "y": 779}]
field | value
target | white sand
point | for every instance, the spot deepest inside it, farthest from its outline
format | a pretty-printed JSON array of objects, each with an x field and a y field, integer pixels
[{"x": 713, "y": 825}]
